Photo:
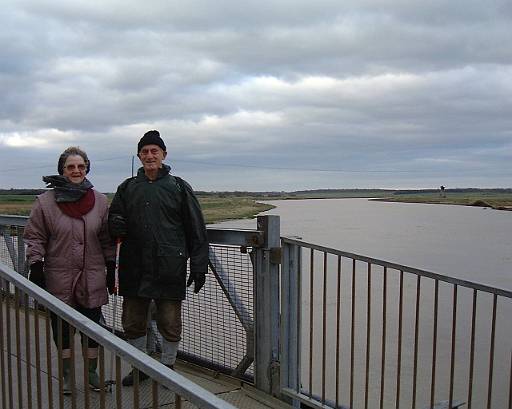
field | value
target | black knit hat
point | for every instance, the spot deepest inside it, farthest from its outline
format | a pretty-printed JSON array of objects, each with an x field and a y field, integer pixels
[{"x": 151, "y": 138}]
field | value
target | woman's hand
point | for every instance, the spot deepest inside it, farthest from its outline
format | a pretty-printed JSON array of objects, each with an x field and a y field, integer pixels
[{"x": 37, "y": 273}]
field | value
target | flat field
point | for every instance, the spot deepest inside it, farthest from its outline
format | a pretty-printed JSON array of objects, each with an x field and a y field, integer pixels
[
  {"x": 241, "y": 205},
  {"x": 482, "y": 198},
  {"x": 215, "y": 208}
]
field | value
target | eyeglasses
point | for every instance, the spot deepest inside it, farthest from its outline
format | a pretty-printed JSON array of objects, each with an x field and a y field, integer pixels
[{"x": 80, "y": 167}]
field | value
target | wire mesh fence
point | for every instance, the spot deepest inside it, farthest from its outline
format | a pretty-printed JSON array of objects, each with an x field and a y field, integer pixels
[{"x": 217, "y": 322}]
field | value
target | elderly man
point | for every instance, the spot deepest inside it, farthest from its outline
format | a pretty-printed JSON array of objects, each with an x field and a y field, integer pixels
[{"x": 159, "y": 220}]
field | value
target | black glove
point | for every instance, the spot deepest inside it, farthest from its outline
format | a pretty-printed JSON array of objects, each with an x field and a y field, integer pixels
[
  {"x": 111, "y": 277},
  {"x": 37, "y": 273},
  {"x": 118, "y": 227},
  {"x": 198, "y": 279}
]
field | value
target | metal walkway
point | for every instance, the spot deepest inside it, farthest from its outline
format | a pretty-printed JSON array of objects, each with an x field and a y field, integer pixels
[{"x": 232, "y": 390}]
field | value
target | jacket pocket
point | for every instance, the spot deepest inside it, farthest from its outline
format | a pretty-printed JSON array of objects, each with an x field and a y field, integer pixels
[
  {"x": 172, "y": 263},
  {"x": 130, "y": 260}
]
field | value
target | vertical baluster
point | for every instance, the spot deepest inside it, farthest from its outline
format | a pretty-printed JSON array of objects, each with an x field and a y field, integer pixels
[
  {"x": 85, "y": 347},
  {"x": 454, "y": 335},
  {"x": 352, "y": 330},
  {"x": 472, "y": 350},
  {"x": 154, "y": 393},
  {"x": 9, "y": 346},
  {"x": 434, "y": 345},
  {"x": 2, "y": 358},
  {"x": 491, "y": 351},
  {"x": 136, "y": 401},
  {"x": 38, "y": 354},
  {"x": 383, "y": 348},
  {"x": 311, "y": 299},
  {"x": 399, "y": 340},
  {"x": 101, "y": 369},
  {"x": 368, "y": 326},
  {"x": 18, "y": 345},
  {"x": 324, "y": 326},
  {"x": 73, "y": 366},
  {"x": 299, "y": 320},
  {"x": 28, "y": 360},
  {"x": 59, "y": 362},
  {"x": 338, "y": 329},
  {"x": 49, "y": 359},
  {"x": 119, "y": 400},
  {"x": 416, "y": 330}
]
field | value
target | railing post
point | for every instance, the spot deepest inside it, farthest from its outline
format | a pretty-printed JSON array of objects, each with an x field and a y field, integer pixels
[
  {"x": 290, "y": 318},
  {"x": 266, "y": 306},
  {"x": 21, "y": 251}
]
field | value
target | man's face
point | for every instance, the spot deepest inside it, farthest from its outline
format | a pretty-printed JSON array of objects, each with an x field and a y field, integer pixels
[{"x": 151, "y": 157}]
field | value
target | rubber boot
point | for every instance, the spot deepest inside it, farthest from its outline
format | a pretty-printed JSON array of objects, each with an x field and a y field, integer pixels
[
  {"x": 169, "y": 352},
  {"x": 94, "y": 378},
  {"x": 66, "y": 376},
  {"x": 140, "y": 344}
]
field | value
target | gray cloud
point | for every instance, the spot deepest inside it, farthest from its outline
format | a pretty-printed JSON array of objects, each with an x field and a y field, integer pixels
[{"x": 268, "y": 95}]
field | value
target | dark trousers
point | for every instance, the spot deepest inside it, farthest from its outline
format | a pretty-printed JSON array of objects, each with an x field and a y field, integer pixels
[
  {"x": 94, "y": 314},
  {"x": 135, "y": 318}
]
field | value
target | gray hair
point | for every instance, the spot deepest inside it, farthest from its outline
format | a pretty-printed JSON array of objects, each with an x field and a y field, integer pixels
[{"x": 72, "y": 151}]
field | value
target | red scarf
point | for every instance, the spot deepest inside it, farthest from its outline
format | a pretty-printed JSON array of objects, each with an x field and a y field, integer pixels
[{"x": 79, "y": 208}]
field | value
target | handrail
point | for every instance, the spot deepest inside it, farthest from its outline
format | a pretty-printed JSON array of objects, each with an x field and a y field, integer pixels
[
  {"x": 159, "y": 372},
  {"x": 235, "y": 237},
  {"x": 9, "y": 219},
  {"x": 423, "y": 273}
]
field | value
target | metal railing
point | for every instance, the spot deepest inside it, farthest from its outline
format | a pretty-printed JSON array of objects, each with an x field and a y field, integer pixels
[
  {"x": 219, "y": 322},
  {"x": 329, "y": 328},
  {"x": 367, "y": 333},
  {"x": 28, "y": 355}
]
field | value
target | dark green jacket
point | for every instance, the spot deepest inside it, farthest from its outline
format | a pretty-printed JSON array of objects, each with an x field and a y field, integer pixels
[{"x": 165, "y": 228}]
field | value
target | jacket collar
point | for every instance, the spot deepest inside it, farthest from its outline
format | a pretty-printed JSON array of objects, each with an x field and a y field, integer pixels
[{"x": 162, "y": 172}]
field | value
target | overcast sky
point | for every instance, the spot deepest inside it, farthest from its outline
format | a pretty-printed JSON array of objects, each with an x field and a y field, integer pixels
[{"x": 260, "y": 95}]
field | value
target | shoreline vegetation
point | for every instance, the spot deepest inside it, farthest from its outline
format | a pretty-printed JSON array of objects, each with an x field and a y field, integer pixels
[{"x": 222, "y": 206}]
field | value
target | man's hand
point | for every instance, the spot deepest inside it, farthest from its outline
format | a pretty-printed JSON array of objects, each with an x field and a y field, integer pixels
[
  {"x": 118, "y": 226},
  {"x": 198, "y": 279},
  {"x": 111, "y": 277},
  {"x": 37, "y": 274}
]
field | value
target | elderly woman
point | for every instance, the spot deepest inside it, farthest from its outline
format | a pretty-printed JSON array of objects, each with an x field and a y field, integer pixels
[{"x": 68, "y": 248}]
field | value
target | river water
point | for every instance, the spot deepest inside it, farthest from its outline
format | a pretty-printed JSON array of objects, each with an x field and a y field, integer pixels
[
  {"x": 466, "y": 242},
  {"x": 469, "y": 243}
]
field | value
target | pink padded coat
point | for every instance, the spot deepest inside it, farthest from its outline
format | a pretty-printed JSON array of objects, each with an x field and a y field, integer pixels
[{"x": 74, "y": 251}]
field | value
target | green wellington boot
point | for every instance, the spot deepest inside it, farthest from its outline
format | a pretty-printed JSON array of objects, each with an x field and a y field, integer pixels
[
  {"x": 94, "y": 378},
  {"x": 66, "y": 376}
]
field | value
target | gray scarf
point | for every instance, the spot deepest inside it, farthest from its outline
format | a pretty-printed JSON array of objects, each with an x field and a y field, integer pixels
[{"x": 65, "y": 191}]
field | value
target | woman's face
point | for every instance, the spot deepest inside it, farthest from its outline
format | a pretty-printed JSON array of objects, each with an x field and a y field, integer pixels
[{"x": 74, "y": 169}]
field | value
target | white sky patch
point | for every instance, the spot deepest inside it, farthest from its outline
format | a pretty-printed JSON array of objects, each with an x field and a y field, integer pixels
[
  {"x": 242, "y": 119},
  {"x": 37, "y": 139},
  {"x": 364, "y": 87}
]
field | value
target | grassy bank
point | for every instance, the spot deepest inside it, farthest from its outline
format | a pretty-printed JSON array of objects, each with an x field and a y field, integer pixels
[
  {"x": 241, "y": 205},
  {"x": 215, "y": 207},
  {"x": 484, "y": 198}
]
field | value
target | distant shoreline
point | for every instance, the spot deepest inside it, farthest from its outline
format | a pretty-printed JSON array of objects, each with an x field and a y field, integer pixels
[
  {"x": 462, "y": 202},
  {"x": 223, "y": 206}
]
